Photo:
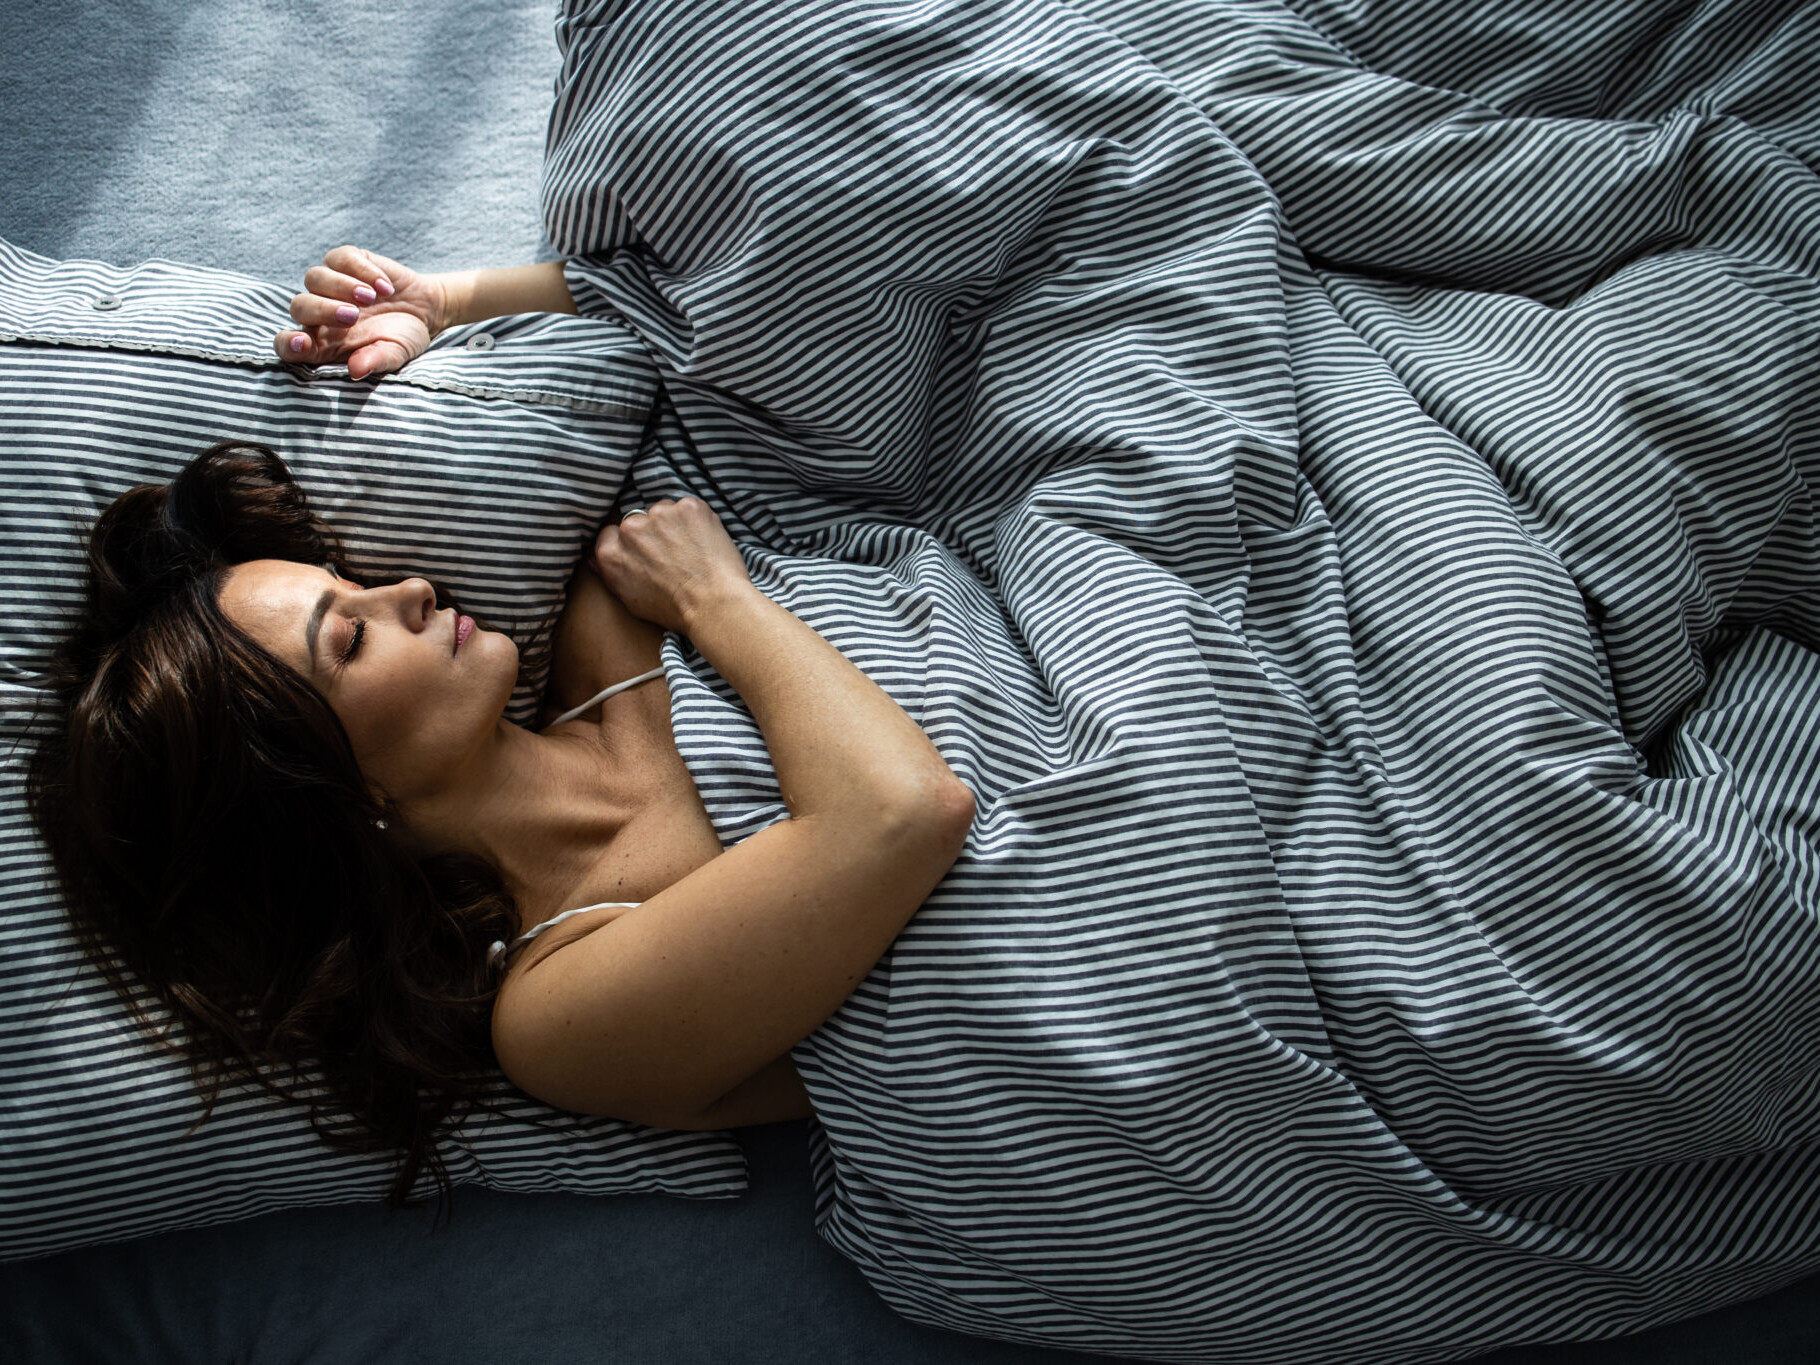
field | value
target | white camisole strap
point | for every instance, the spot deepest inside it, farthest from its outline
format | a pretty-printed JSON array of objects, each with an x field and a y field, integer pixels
[
  {"x": 501, "y": 951},
  {"x": 612, "y": 691}
]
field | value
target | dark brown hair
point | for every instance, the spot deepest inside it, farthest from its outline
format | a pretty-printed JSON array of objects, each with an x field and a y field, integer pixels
[{"x": 216, "y": 841}]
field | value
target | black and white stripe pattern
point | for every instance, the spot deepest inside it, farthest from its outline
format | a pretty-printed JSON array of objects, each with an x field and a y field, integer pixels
[
  {"x": 486, "y": 468},
  {"x": 1359, "y": 545}
]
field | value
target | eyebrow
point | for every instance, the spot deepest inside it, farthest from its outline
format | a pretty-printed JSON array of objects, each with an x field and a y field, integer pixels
[{"x": 314, "y": 627}]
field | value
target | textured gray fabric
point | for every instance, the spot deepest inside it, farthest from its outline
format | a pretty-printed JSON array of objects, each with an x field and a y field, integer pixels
[{"x": 250, "y": 136}]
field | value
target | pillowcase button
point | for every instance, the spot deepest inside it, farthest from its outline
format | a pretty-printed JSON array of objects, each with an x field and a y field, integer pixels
[{"x": 104, "y": 303}]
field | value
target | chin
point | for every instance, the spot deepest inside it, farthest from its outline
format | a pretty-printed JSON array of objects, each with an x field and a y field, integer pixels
[
  {"x": 501, "y": 654},
  {"x": 489, "y": 643}
]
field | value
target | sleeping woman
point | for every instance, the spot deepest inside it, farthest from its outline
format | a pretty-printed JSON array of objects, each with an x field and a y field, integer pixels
[{"x": 290, "y": 803}]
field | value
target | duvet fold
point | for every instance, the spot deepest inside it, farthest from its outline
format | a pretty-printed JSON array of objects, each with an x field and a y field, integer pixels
[{"x": 1343, "y": 498}]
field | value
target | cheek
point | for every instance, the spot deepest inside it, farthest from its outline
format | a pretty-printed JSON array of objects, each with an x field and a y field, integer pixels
[
  {"x": 376, "y": 708},
  {"x": 365, "y": 725}
]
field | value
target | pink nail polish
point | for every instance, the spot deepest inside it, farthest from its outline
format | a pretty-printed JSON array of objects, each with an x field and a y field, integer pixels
[
  {"x": 347, "y": 314},
  {"x": 363, "y": 295},
  {"x": 297, "y": 344},
  {"x": 384, "y": 286}
]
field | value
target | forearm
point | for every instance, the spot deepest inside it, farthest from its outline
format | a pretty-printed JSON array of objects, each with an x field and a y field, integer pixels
[
  {"x": 841, "y": 747},
  {"x": 476, "y": 295}
]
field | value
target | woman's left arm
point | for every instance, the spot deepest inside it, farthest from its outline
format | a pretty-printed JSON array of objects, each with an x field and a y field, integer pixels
[{"x": 676, "y": 1011}]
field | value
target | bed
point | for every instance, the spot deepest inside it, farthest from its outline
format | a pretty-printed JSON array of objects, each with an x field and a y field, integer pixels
[{"x": 1338, "y": 485}]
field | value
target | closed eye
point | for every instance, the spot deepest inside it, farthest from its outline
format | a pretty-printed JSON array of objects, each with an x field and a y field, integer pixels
[{"x": 354, "y": 639}]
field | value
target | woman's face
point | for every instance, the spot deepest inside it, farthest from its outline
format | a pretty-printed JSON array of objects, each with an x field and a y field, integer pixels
[{"x": 416, "y": 708}]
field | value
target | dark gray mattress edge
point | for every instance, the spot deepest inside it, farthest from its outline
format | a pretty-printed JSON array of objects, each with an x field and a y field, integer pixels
[{"x": 632, "y": 1278}]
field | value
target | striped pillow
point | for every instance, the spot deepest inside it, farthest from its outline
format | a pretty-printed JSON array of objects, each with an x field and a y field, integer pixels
[{"x": 485, "y": 467}]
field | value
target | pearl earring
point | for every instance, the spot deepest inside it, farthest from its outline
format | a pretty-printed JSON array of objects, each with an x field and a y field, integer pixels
[{"x": 379, "y": 824}]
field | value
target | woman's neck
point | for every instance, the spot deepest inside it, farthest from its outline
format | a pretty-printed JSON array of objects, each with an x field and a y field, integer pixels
[{"x": 541, "y": 807}]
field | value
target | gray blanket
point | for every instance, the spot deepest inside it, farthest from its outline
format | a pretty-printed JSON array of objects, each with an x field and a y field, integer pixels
[{"x": 1342, "y": 494}]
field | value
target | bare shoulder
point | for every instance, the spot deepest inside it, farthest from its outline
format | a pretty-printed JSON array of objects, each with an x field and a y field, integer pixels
[{"x": 523, "y": 1039}]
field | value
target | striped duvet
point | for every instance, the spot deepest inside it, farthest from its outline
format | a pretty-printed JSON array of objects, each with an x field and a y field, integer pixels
[{"x": 1340, "y": 488}]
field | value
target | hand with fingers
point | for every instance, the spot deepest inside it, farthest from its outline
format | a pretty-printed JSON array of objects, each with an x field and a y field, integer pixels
[
  {"x": 363, "y": 309},
  {"x": 670, "y": 559}
]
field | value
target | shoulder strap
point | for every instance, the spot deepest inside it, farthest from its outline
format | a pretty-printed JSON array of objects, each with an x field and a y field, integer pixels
[{"x": 500, "y": 951}]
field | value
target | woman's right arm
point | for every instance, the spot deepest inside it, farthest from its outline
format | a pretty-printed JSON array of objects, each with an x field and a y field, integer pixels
[
  {"x": 658, "y": 1015},
  {"x": 378, "y": 315}
]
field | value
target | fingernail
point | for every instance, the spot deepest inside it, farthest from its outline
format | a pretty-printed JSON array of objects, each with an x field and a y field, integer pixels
[
  {"x": 297, "y": 344},
  {"x": 384, "y": 286},
  {"x": 363, "y": 295},
  {"x": 347, "y": 313}
]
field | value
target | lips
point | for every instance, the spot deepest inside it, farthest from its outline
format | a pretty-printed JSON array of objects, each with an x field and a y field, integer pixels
[{"x": 464, "y": 627}]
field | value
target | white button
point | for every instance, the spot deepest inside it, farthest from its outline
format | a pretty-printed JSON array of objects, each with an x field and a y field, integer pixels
[
  {"x": 482, "y": 341},
  {"x": 104, "y": 303}
]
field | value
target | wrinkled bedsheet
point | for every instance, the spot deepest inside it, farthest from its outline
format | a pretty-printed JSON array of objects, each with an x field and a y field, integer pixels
[{"x": 1338, "y": 481}]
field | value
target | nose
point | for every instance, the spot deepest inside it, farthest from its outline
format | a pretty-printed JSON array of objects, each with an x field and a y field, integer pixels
[{"x": 415, "y": 601}]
